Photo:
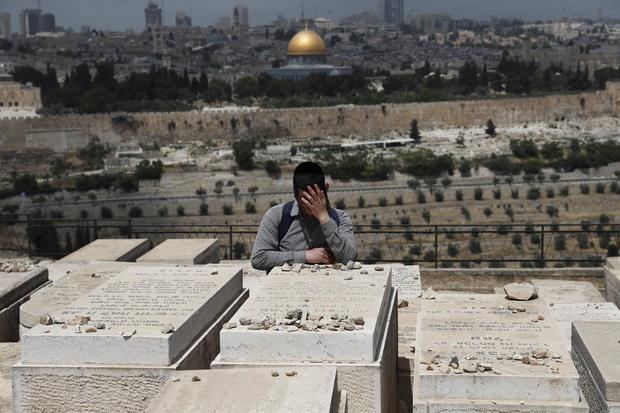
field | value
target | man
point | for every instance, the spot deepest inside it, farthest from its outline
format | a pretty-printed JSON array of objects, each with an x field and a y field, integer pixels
[{"x": 306, "y": 230}]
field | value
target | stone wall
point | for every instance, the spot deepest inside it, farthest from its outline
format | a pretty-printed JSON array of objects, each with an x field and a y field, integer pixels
[{"x": 302, "y": 123}]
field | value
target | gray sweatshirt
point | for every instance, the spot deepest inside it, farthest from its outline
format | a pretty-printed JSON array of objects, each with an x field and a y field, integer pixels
[{"x": 304, "y": 234}]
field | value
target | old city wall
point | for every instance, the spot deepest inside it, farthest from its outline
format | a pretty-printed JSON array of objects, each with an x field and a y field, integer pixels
[{"x": 366, "y": 121}]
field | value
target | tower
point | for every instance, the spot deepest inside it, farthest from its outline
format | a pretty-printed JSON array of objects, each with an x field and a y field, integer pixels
[
  {"x": 394, "y": 11},
  {"x": 152, "y": 15}
]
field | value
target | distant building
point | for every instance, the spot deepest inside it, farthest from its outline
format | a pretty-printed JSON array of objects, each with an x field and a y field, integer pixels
[
  {"x": 307, "y": 55},
  {"x": 152, "y": 15},
  {"x": 432, "y": 23},
  {"x": 393, "y": 11},
  {"x": 30, "y": 20},
  {"x": 19, "y": 101},
  {"x": 5, "y": 25},
  {"x": 47, "y": 23},
  {"x": 236, "y": 20},
  {"x": 245, "y": 18},
  {"x": 183, "y": 20}
]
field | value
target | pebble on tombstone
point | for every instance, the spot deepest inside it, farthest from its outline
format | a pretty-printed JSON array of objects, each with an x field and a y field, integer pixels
[
  {"x": 167, "y": 329},
  {"x": 521, "y": 291}
]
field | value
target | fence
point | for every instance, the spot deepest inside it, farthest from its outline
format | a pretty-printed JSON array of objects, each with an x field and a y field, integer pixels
[{"x": 440, "y": 246}]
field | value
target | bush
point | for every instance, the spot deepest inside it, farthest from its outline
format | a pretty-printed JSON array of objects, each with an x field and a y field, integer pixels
[
  {"x": 404, "y": 221},
  {"x": 488, "y": 211},
  {"x": 600, "y": 188},
  {"x": 552, "y": 211},
  {"x": 523, "y": 148},
  {"x": 201, "y": 191},
  {"x": 273, "y": 168},
  {"x": 414, "y": 184},
  {"x": 478, "y": 194},
  {"x": 583, "y": 242},
  {"x": 375, "y": 255},
  {"x": 426, "y": 215},
  {"x": 415, "y": 250},
  {"x": 180, "y": 210},
  {"x": 514, "y": 194},
  {"x": 559, "y": 242},
  {"x": 339, "y": 204},
  {"x": 604, "y": 219},
  {"x": 550, "y": 193},
  {"x": 465, "y": 168},
  {"x": 135, "y": 212},
  {"x": 535, "y": 239},
  {"x": 584, "y": 188},
  {"x": 509, "y": 180},
  {"x": 533, "y": 194},
  {"x": 497, "y": 194},
  {"x": 446, "y": 182},
  {"x": 540, "y": 178},
  {"x": 106, "y": 213},
  {"x": 466, "y": 213},
  {"x": 383, "y": 202},
  {"x": 361, "y": 202},
  {"x": 429, "y": 255},
  {"x": 474, "y": 246},
  {"x": 565, "y": 191},
  {"x": 56, "y": 214},
  {"x": 510, "y": 213},
  {"x": 204, "y": 209},
  {"x": 475, "y": 232},
  {"x": 614, "y": 187},
  {"x": 398, "y": 200},
  {"x": 250, "y": 208},
  {"x": 421, "y": 197},
  {"x": 84, "y": 214},
  {"x": 162, "y": 212},
  {"x": 375, "y": 223},
  {"x": 517, "y": 240},
  {"x": 227, "y": 209},
  {"x": 459, "y": 195},
  {"x": 453, "y": 250},
  {"x": 439, "y": 197}
]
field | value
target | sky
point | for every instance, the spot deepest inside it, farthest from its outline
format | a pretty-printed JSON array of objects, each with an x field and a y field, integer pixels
[{"x": 122, "y": 14}]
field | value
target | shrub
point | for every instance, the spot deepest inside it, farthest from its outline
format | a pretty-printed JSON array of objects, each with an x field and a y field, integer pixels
[
  {"x": 250, "y": 208},
  {"x": 201, "y": 191},
  {"x": 421, "y": 197},
  {"x": 614, "y": 187},
  {"x": 475, "y": 232},
  {"x": 383, "y": 202},
  {"x": 426, "y": 215},
  {"x": 135, "y": 212},
  {"x": 375, "y": 255},
  {"x": 496, "y": 181},
  {"x": 162, "y": 212},
  {"x": 533, "y": 194},
  {"x": 509, "y": 212},
  {"x": 584, "y": 188},
  {"x": 466, "y": 213},
  {"x": 106, "y": 213},
  {"x": 446, "y": 182},
  {"x": 552, "y": 211},
  {"x": 375, "y": 223},
  {"x": 528, "y": 178},
  {"x": 583, "y": 242},
  {"x": 404, "y": 221},
  {"x": 339, "y": 204},
  {"x": 517, "y": 240},
  {"x": 429, "y": 255},
  {"x": 415, "y": 250},
  {"x": 550, "y": 193},
  {"x": 204, "y": 209},
  {"x": 604, "y": 219},
  {"x": 535, "y": 239},
  {"x": 361, "y": 202},
  {"x": 459, "y": 195},
  {"x": 439, "y": 197},
  {"x": 398, "y": 200},
  {"x": 474, "y": 246},
  {"x": 488, "y": 211},
  {"x": 84, "y": 214},
  {"x": 273, "y": 168},
  {"x": 514, "y": 194},
  {"x": 453, "y": 250},
  {"x": 227, "y": 209},
  {"x": 180, "y": 210},
  {"x": 497, "y": 194},
  {"x": 414, "y": 184},
  {"x": 559, "y": 242},
  {"x": 565, "y": 191},
  {"x": 56, "y": 214},
  {"x": 509, "y": 180},
  {"x": 478, "y": 194},
  {"x": 600, "y": 188},
  {"x": 541, "y": 178}
]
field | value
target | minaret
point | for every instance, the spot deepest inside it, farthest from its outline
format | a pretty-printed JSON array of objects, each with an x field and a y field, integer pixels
[{"x": 303, "y": 17}]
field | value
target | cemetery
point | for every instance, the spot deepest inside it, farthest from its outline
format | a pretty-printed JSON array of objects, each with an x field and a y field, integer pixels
[{"x": 118, "y": 326}]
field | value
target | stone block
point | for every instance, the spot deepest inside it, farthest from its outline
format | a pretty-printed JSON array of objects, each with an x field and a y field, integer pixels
[
  {"x": 612, "y": 281},
  {"x": 327, "y": 303},
  {"x": 9, "y": 355},
  {"x": 567, "y": 292},
  {"x": 109, "y": 250},
  {"x": 250, "y": 390},
  {"x": 504, "y": 354},
  {"x": 565, "y": 314},
  {"x": 103, "y": 389},
  {"x": 194, "y": 251},
  {"x": 598, "y": 344}
]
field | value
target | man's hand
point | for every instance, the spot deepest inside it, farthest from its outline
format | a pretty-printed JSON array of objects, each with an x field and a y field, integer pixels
[
  {"x": 314, "y": 201},
  {"x": 319, "y": 256}
]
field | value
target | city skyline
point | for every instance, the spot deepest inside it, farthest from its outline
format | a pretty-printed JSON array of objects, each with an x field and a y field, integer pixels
[{"x": 203, "y": 13}]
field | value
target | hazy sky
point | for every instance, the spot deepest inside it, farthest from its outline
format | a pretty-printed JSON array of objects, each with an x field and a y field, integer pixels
[{"x": 120, "y": 14}]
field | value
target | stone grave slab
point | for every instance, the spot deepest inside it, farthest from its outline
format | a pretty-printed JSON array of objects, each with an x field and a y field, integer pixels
[
  {"x": 612, "y": 280},
  {"x": 568, "y": 292},
  {"x": 565, "y": 314},
  {"x": 9, "y": 355},
  {"x": 109, "y": 250},
  {"x": 598, "y": 344},
  {"x": 144, "y": 316},
  {"x": 194, "y": 251},
  {"x": 18, "y": 280},
  {"x": 318, "y": 308},
  {"x": 406, "y": 279},
  {"x": 496, "y": 342},
  {"x": 250, "y": 391}
]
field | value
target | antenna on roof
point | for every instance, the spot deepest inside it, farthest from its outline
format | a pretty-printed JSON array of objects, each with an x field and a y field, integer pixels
[{"x": 303, "y": 18}]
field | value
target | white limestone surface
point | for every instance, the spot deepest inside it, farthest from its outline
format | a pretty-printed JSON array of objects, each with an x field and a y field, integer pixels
[
  {"x": 109, "y": 250},
  {"x": 598, "y": 344},
  {"x": 321, "y": 298},
  {"x": 483, "y": 331},
  {"x": 407, "y": 280},
  {"x": 190, "y": 251},
  {"x": 565, "y": 314},
  {"x": 16, "y": 285},
  {"x": 567, "y": 292},
  {"x": 150, "y": 316},
  {"x": 261, "y": 390}
]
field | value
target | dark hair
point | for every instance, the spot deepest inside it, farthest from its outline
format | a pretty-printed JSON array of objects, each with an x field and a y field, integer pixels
[{"x": 308, "y": 174}]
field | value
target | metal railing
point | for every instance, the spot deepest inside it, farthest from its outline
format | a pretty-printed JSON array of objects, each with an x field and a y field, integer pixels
[{"x": 499, "y": 245}]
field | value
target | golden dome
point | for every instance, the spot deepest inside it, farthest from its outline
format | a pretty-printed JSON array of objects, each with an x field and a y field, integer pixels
[{"x": 306, "y": 43}]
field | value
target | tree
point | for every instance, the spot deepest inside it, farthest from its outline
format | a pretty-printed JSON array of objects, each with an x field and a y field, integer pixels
[
  {"x": 491, "y": 129},
  {"x": 414, "y": 131},
  {"x": 244, "y": 155},
  {"x": 250, "y": 208}
]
